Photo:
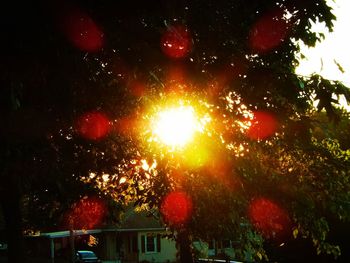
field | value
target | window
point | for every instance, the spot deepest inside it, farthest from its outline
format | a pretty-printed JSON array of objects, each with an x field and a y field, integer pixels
[
  {"x": 211, "y": 244},
  {"x": 150, "y": 243},
  {"x": 219, "y": 244},
  {"x": 226, "y": 243}
]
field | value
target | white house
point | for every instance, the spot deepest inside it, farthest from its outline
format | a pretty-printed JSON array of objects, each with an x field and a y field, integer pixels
[{"x": 143, "y": 238}]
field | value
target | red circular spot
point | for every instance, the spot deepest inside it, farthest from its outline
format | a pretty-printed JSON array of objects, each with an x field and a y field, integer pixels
[
  {"x": 93, "y": 125},
  {"x": 268, "y": 32},
  {"x": 176, "y": 41},
  {"x": 176, "y": 208},
  {"x": 86, "y": 213},
  {"x": 82, "y": 30},
  {"x": 263, "y": 125},
  {"x": 269, "y": 218}
]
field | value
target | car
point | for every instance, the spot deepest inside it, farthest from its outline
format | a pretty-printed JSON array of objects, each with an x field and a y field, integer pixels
[{"x": 86, "y": 256}]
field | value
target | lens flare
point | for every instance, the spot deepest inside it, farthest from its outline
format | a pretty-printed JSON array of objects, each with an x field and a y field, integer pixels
[
  {"x": 269, "y": 32},
  {"x": 197, "y": 155},
  {"x": 81, "y": 30},
  {"x": 176, "y": 41},
  {"x": 93, "y": 125},
  {"x": 176, "y": 126},
  {"x": 87, "y": 213},
  {"x": 263, "y": 125},
  {"x": 176, "y": 208},
  {"x": 270, "y": 219}
]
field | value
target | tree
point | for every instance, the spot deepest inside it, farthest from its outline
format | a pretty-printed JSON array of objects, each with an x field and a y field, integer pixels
[{"x": 98, "y": 71}]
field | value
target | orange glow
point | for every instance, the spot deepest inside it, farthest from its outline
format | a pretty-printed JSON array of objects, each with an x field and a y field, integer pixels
[
  {"x": 177, "y": 127},
  {"x": 220, "y": 169},
  {"x": 176, "y": 80},
  {"x": 176, "y": 41},
  {"x": 93, "y": 125},
  {"x": 197, "y": 155},
  {"x": 125, "y": 125},
  {"x": 270, "y": 219},
  {"x": 137, "y": 88},
  {"x": 176, "y": 73},
  {"x": 263, "y": 125},
  {"x": 176, "y": 208},
  {"x": 81, "y": 30}
]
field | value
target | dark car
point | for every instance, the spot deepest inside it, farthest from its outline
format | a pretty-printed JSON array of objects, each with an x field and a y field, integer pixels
[{"x": 86, "y": 256}]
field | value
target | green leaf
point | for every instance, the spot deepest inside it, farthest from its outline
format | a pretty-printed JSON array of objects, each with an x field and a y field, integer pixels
[
  {"x": 295, "y": 232},
  {"x": 341, "y": 69}
]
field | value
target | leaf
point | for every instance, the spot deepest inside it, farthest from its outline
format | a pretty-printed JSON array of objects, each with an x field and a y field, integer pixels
[
  {"x": 259, "y": 255},
  {"x": 295, "y": 233},
  {"x": 341, "y": 69}
]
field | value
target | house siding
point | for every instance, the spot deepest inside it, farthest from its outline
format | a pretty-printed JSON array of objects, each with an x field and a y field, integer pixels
[
  {"x": 110, "y": 246},
  {"x": 167, "y": 249}
]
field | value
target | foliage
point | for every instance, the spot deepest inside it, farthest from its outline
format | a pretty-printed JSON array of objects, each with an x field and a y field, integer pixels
[{"x": 239, "y": 68}]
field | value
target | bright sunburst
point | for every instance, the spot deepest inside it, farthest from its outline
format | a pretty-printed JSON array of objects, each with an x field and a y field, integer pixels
[{"x": 176, "y": 126}]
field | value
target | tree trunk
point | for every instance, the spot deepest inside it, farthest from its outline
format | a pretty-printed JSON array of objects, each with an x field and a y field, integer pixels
[{"x": 185, "y": 247}]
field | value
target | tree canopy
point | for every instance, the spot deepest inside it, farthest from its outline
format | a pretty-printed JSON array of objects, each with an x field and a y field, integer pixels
[{"x": 83, "y": 82}]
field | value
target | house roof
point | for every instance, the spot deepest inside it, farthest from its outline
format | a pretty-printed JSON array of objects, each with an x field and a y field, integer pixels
[
  {"x": 67, "y": 233},
  {"x": 134, "y": 220}
]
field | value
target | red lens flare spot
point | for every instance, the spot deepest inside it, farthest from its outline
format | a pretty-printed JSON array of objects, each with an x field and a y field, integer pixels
[
  {"x": 93, "y": 125},
  {"x": 263, "y": 125},
  {"x": 176, "y": 208},
  {"x": 270, "y": 219},
  {"x": 176, "y": 41},
  {"x": 269, "y": 32},
  {"x": 81, "y": 30},
  {"x": 86, "y": 214}
]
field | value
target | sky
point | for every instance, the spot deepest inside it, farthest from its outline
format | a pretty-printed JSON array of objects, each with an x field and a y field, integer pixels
[{"x": 335, "y": 47}]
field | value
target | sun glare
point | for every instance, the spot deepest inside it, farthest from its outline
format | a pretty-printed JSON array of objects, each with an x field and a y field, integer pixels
[{"x": 176, "y": 126}]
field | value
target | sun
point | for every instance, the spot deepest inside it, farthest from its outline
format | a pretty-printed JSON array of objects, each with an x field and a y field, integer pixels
[{"x": 176, "y": 126}]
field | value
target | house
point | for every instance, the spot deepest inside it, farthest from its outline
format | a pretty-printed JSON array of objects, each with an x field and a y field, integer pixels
[
  {"x": 56, "y": 245},
  {"x": 215, "y": 249},
  {"x": 143, "y": 239},
  {"x": 140, "y": 238}
]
